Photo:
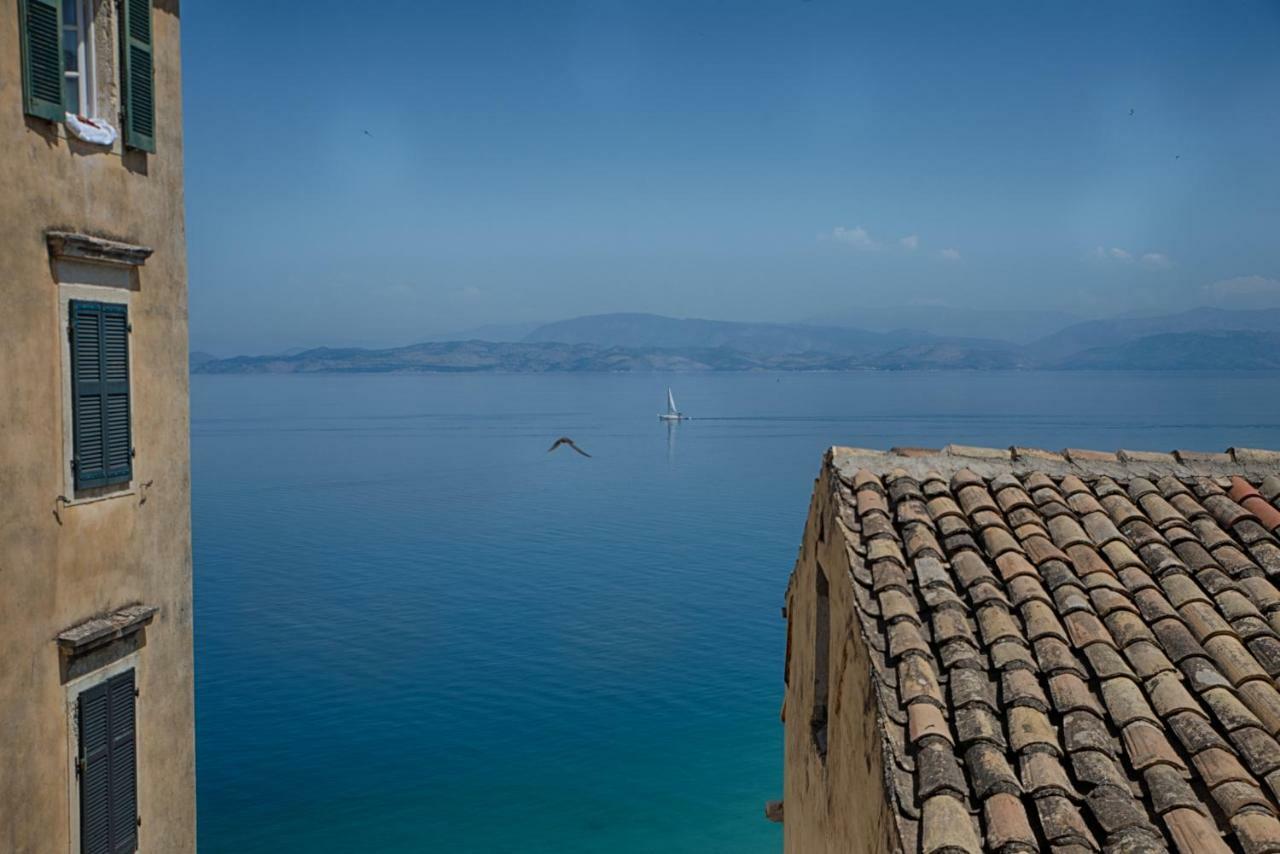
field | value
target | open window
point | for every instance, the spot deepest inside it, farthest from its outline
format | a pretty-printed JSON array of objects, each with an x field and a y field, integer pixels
[
  {"x": 79, "y": 94},
  {"x": 74, "y": 51}
]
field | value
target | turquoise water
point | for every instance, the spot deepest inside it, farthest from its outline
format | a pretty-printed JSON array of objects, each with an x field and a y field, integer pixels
[{"x": 418, "y": 631}]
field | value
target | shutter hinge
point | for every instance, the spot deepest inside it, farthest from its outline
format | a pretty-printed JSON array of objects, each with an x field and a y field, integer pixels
[
  {"x": 133, "y": 452},
  {"x": 129, "y": 327},
  {"x": 79, "y": 766}
]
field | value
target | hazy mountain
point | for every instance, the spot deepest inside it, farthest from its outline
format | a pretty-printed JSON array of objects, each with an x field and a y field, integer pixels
[
  {"x": 490, "y": 332},
  {"x": 1013, "y": 325},
  {"x": 489, "y": 356},
  {"x": 199, "y": 357},
  {"x": 1112, "y": 333},
  {"x": 645, "y": 342},
  {"x": 1235, "y": 350},
  {"x": 543, "y": 357},
  {"x": 945, "y": 356},
  {"x": 657, "y": 331}
]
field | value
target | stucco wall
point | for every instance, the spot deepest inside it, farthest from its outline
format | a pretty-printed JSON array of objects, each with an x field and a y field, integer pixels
[
  {"x": 840, "y": 804},
  {"x": 58, "y": 569}
]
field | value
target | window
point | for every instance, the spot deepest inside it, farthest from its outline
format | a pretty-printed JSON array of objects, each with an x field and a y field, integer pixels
[
  {"x": 58, "y": 63},
  {"x": 821, "y": 659},
  {"x": 102, "y": 443},
  {"x": 107, "y": 768},
  {"x": 78, "y": 94}
]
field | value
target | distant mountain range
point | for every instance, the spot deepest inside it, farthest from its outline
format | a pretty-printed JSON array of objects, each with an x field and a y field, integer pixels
[
  {"x": 1234, "y": 350},
  {"x": 670, "y": 333},
  {"x": 1203, "y": 338},
  {"x": 1018, "y": 326},
  {"x": 1113, "y": 333}
]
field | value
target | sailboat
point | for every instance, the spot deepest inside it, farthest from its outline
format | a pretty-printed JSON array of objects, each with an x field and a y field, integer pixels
[{"x": 672, "y": 414}]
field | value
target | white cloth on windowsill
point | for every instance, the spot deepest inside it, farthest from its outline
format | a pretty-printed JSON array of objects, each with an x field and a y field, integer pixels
[{"x": 96, "y": 131}]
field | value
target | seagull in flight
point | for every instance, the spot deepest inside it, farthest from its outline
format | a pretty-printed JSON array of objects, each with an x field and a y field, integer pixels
[
  {"x": 366, "y": 133},
  {"x": 565, "y": 440}
]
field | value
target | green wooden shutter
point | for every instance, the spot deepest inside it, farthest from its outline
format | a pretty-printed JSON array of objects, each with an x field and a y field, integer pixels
[
  {"x": 89, "y": 435},
  {"x": 40, "y": 22},
  {"x": 95, "y": 771},
  {"x": 124, "y": 776},
  {"x": 115, "y": 366},
  {"x": 102, "y": 438},
  {"x": 108, "y": 767},
  {"x": 138, "y": 79}
]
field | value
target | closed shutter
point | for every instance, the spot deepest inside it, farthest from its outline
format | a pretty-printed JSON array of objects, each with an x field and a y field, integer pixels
[
  {"x": 41, "y": 24},
  {"x": 108, "y": 768},
  {"x": 137, "y": 54},
  {"x": 102, "y": 439},
  {"x": 124, "y": 778},
  {"x": 95, "y": 771},
  {"x": 115, "y": 365}
]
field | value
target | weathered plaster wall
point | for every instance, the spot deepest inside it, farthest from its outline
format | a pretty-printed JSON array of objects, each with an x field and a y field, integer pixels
[
  {"x": 840, "y": 804},
  {"x": 57, "y": 570}
]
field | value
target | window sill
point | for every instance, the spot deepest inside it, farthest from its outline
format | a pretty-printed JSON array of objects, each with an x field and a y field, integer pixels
[{"x": 94, "y": 499}]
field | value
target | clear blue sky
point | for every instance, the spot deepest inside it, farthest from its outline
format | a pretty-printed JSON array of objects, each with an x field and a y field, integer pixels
[{"x": 738, "y": 160}]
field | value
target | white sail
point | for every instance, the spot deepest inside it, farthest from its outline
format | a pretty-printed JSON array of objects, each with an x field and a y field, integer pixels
[{"x": 672, "y": 414}]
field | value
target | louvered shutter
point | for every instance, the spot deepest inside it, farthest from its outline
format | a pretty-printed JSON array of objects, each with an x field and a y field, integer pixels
[
  {"x": 95, "y": 771},
  {"x": 102, "y": 439},
  {"x": 137, "y": 54},
  {"x": 124, "y": 778},
  {"x": 115, "y": 366},
  {"x": 41, "y": 24},
  {"x": 108, "y": 768},
  {"x": 88, "y": 430}
]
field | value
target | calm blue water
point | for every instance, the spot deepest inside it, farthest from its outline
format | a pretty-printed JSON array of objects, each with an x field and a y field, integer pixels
[{"x": 418, "y": 631}]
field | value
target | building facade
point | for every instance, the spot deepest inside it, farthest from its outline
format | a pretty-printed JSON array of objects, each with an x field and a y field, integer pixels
[
  {"x": 97, "y": 729},
  {"x": 1016, "y": 650}
]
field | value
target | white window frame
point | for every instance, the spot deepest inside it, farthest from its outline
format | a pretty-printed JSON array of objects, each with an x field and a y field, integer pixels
[
  {"x": 71, "y": 700},
  {"x": 84, "y": 57}
]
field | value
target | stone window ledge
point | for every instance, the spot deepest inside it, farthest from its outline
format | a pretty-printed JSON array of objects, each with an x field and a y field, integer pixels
[
  {"x": 103, "y": 630},
  {"x": 85, "y": 247}
]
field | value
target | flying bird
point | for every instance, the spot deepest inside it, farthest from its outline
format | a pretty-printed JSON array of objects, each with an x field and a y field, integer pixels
[
  {"x": 1131, "y": 111},
  {"x": 565, "y": 440},
  {"x": 366, "y": 133}
]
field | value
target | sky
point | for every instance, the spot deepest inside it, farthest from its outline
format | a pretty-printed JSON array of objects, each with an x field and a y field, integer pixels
[{"x": 363, "y": 174}]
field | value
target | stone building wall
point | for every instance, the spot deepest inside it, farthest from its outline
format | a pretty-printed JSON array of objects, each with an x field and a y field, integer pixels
[
  {"x": 838, "y": 803},
  {"x": 64, "y": 560}
]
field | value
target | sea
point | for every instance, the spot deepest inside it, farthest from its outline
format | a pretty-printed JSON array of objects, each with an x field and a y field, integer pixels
[{"x": 417, "y": 630}]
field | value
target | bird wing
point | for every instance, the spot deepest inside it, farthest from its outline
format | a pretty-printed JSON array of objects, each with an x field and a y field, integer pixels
[
  {"x": 579, "y": 450},
  {"x": 557, "y": 443}
]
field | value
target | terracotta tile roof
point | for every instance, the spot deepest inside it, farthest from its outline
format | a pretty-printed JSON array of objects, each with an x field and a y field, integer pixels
[{"x": 1075, "y": 651}]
